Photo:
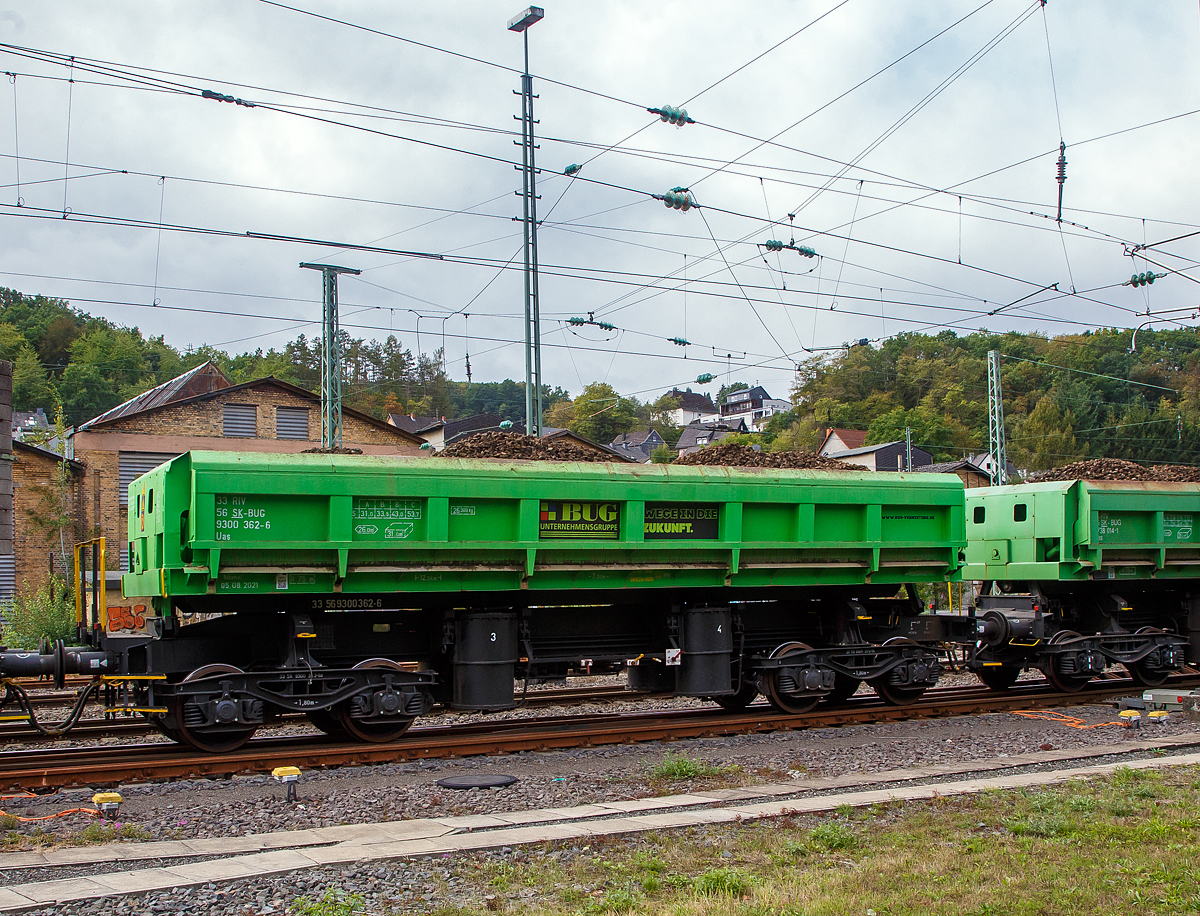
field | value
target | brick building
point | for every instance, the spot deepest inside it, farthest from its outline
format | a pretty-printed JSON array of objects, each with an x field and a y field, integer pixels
[
  {"x": 202, "y": 410},
  {"x": 41, "y": 493}
]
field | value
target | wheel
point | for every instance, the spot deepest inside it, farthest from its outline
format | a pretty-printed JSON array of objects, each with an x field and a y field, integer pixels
[
  {"x": 372, "y": 732},
  {"x": 327, "y": 722},
  {"x": 998, "y": 677},
  {"x": 893, "y": 694},
  {"x": 1064, "y": 683},
  {"x": 216, "y": 741},
  {"x": 844, "y": 687},
  {"x": 1143, "y": 674},
  {"x": 777, "y": 687},
  {"x": 736, "y": 702}
]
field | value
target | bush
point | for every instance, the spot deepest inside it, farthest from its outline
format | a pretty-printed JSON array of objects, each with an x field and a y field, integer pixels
[
  {"x": 662, "y": 454},
  {"x": 48, "y": 611}
]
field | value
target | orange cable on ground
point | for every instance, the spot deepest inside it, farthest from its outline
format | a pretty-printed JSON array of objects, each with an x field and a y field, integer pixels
[
  {"x": 1061, "y": 719},
  {"x": 48, "y": 817}
]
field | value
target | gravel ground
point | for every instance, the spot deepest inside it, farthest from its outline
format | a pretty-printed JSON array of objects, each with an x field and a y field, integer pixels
[
  {"x": 255, "y": 803},
  {"x": 412, "y": 885}
]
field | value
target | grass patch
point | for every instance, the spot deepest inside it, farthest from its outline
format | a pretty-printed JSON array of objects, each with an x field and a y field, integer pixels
[
  {"x": 681, "y": 766},
  {"x": 1125, "y": 845},
  {"x": 723, "y": 882},
  {"x": 334, "y": 903}
]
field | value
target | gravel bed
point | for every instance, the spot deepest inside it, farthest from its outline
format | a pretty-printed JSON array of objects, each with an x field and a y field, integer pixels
[{"x": 255, "y": 804}]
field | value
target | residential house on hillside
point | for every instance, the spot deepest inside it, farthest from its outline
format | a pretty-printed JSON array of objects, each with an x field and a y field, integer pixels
[
  {"x": 842, "y": 440},
  {"x": 753, "y": 405},
  {"x": 983, "y": 461},
  {"x": 201, "y": 409},
  {"x": 697, "y": 435},
  {"x": 692, "y": 406},
  {"x": 440, "y": 432},
  {"x": 554, "y": 432},
  {"x": 638, "y": 444},
  {"x": 886, "y": 456},
  {"x": 970, "y": 473}
]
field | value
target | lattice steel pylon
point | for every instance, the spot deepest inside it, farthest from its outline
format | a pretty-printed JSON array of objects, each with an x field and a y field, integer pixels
[
  {"x": 996, "y": 446},
  {"x": 331, "y": 356}
]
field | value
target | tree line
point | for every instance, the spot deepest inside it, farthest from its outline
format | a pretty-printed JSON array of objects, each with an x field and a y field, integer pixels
[{"x": 1067, "y": 397}]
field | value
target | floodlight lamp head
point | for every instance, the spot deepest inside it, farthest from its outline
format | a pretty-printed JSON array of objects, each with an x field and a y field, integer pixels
[{"x": 525, "y": 19}]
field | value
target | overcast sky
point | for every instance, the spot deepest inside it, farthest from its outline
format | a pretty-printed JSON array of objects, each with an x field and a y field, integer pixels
[{"x": 890, "y": 227}]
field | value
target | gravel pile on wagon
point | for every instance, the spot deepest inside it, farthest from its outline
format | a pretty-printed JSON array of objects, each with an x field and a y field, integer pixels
[
  {"x": 743, "y": 456},
  {"x": 1117, "y": 469},
  {"x": 518, "y": 446}
]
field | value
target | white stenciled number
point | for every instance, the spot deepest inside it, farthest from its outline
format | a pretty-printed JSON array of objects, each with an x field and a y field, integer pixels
[
  {"x": 720, "y": 627},
  {"x": 493, "y": 637}
]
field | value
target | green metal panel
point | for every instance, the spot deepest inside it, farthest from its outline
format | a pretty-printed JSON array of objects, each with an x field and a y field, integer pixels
[
  {"x": 1084, "y": 530},
  {"x": 253, "y": 524}
]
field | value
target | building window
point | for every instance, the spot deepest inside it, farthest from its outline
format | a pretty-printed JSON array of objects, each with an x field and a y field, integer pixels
[
  {"x": 291, "y": 423},
  {"x": 132, "y": 465},
  {"x": 241, "y": 421}
]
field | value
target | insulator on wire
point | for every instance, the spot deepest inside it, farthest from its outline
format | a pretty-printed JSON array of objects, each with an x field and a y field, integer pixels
[
  {"x": 678, "y": 199},
  {"x": 1143, "y": 279},
  {"x": 773, "y": 245},
  {"x": 806, "y": 252},
  {"x": 679, "y": 341},
  {"x": 572, "y": 169},
  {"x": 577, "y": 322},
  {"x": 704, "y": 379},
  {"x": 672, "y": 115}
]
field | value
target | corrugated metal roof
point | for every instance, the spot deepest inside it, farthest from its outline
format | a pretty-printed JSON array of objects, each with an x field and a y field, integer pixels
[
  {"x": 415, "y": 425},
  {"x": 204, "y": 379}
]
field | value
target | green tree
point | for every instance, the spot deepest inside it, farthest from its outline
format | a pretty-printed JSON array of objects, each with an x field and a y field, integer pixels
[
  {"x": 662, "y": 454},
  {"x": 601, "y": 414},
  {"x": 32, "y": 387},
  {"x": 1044, "y": 438}
]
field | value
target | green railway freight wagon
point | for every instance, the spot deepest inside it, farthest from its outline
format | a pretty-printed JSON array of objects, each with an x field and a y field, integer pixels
[
  {"x": 1083, "y": 574},
  {"x": 362, "y": 590}
]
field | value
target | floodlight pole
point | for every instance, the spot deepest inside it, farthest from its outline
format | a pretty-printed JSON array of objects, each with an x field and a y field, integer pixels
[
  {"x": 533, "y": 321},
  {"x": 996, "y": 445},
  {"x": 331, "y": 356}
]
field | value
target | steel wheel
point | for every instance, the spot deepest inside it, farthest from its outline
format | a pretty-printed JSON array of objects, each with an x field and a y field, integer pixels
[
  {"x": 776, "y": 687},
  {"x": 893, "y": 694},
  {"x": 998, "y": 677},
  {"x": 372, "y": 732},
  {"x": 1142, "y": 673},
  {"x": 1064, "y": 683},
  {"x": 218, "y": 741}
]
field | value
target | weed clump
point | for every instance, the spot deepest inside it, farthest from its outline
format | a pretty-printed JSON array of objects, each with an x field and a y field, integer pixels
[
  {"x": 334, "y": 903},
  {"x": 723, "y": 882},
  {"x": 681, "y": 766}
]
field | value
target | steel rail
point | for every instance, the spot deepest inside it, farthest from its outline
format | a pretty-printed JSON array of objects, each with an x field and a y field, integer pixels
[
  {"x": 46, "y": 768},
  {"x": 95, "y": 727}
]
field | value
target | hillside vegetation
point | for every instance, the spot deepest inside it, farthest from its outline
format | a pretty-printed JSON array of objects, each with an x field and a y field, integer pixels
[{"x": 1067, "y": 397}]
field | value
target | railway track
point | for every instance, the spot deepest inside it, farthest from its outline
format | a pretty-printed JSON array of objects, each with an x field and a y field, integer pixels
[
  {"x": 95, "y": 726},
  {"x": 47, "y": 768}
]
